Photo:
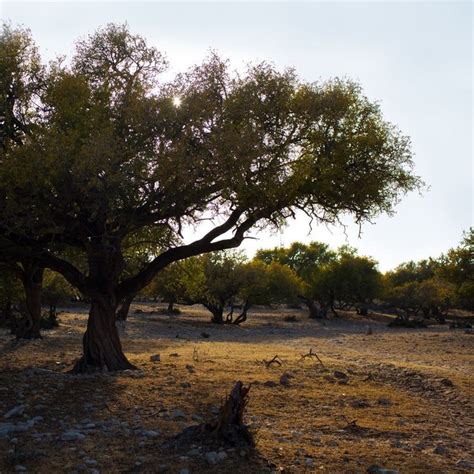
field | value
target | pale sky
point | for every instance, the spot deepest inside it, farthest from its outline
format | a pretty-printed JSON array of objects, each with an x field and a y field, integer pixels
[{"x": 415, "y": 58}]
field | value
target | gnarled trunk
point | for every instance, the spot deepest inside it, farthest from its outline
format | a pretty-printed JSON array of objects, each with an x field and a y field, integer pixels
[
  {"x": 101, "y": 343},
  {"x": 102, "y": 349},
  {"x": 32, "y": 279}
]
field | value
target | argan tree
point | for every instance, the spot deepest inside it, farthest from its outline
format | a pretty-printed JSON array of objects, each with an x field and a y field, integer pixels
[
  {"x": 111, "y": 151},
  {"x": 348, "y": 281},
  {"x": 305, "y": 260}
]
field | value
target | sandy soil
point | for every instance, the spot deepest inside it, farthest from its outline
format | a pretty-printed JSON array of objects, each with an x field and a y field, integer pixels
[{"x": 404, "y": 400}]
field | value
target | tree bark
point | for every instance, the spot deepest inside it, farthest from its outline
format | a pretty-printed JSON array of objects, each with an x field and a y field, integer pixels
[
  {"x": 316, "y": 311},
  {"x": 32, "y": 279},
  {"x": 7, "y": 310},
  {"x": 101, "y": 343},
  {"x": 102, "y": 349},
  {"x": 217, "y": 313},
  {"x": 170, "y": 307},
  {"x": 122, "y": 312}
]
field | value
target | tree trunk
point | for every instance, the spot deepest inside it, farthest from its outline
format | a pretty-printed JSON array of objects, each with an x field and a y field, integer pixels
[
  {"x": 7, "y": 310},
  {"x": 32, "y": 279},
  {"x": 101, "y": 342},
  {"x": 316, "y": 311},
  {"x": 217, "y": 314},
  {"x": 170, "y": 307},
  {"x": 124, "y": 308}
]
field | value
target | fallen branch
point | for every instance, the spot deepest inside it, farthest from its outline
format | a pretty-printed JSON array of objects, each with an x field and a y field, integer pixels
[
  {"x": 275, "y": 360},
  {"x": 312, "y": 355}
]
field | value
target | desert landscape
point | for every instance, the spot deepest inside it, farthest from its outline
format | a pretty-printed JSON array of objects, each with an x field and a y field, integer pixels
[{"x": 377, "y": 398}]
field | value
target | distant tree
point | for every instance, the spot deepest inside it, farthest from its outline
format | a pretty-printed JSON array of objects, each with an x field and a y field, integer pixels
[
  {"x": 56, "y": 291},
  {"x": 348, "y": 281},
  {"x": 305, "y": 260},
  {"x": 457, "y": 268},
  {"x": 263, "y": 284},
  {"x": 415, "y": 288},
  {"x": 104, "y": 153}
]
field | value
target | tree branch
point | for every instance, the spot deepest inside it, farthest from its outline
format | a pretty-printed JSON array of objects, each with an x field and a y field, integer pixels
[{"x": 203, "y": 245}]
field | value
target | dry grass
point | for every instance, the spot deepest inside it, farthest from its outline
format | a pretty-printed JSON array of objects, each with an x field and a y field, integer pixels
[{"x": 394, "y": 408}]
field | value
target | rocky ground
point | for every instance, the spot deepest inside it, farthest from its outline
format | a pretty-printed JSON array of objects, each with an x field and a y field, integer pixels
[{"x": 378, "y": 400}]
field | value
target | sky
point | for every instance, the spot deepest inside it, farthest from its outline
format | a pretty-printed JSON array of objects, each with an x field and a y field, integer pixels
[{"x": 414, "y": 58}]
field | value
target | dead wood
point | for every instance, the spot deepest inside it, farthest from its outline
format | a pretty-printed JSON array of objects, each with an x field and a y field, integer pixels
[{"x": 311, "y": 355}]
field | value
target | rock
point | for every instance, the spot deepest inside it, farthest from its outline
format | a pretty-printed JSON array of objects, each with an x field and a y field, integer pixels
[
  {"x": 463, "y": 464},
  {"x": 309, "y": 462},
  {"x": 20, "y": 468},
  {"x": 221, "y": 455},
  {"x": 211, "y": 457},
  {"x": 18, "y": 410},
  {"x": 155, "y": 358},
  {"x": 72, "y": 436},
  {"x": 91, "y": 462},
  {"x": 174, "y": 354},
  {"x": 184, "y": 471},
  {"x": 384, "y": 401},
  {"x": 270, "y": 383},
  {"x": 360, "y": 404},
  {"x": 190, "y": 368},
  {"x": 374, "y": 469},
  {"x": 178, "y": 415},
  {"x": 150, "y": 433},
  {"x": 6, "y": 428},
  {"x": 205, "y": 335},
  {"x": 340, "y": 375},
  {"x": 185, "y": 384},
  {"x": 447, "y": 383},
  {"x": 285, "y": 378},
  {"x": 194, "y": 452},
  {"x": 440, "y": 449}
]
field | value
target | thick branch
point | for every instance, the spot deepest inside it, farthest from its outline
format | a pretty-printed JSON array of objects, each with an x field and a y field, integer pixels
[{"x": 204, "y": 245}]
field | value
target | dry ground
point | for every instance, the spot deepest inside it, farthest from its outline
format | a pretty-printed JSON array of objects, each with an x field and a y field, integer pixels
[{"x": 406, "y": 403}]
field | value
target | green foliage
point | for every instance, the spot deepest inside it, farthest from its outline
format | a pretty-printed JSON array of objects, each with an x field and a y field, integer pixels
[
  {"x": 349, "y": 280},
  {"x": 457, "y": 267},
  {"x": 56, "y": 290},
  {"x": 431, "y": 296},
  {"x": 20, "y": 84},
  {"x": 299, "y": 257}
]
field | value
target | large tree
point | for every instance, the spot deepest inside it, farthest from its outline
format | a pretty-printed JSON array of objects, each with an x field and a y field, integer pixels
[{"x": 114, "y": 151}]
